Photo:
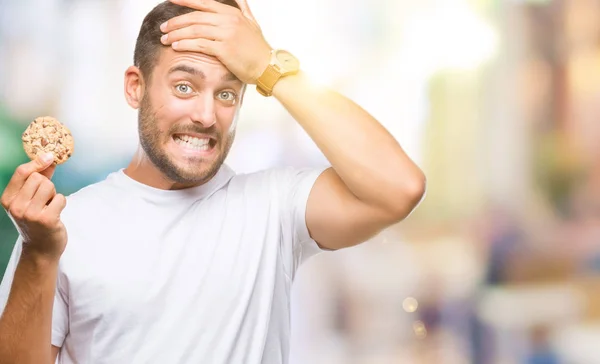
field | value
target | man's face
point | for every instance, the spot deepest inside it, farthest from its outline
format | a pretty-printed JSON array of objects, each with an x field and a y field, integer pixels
[{"x": 187, "y": 117}]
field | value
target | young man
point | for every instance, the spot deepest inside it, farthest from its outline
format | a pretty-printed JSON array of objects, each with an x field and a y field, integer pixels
[{"x": 175, "y": 259}]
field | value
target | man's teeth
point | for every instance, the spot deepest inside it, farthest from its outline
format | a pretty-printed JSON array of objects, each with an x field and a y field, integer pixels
[{"x": 192, "y": 142}]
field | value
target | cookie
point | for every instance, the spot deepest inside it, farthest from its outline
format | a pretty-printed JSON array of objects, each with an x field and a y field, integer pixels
[{"x": 46, "y": 134}]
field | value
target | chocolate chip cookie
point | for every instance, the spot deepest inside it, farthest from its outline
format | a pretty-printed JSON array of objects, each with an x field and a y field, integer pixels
[{"x": 46, "y": 134}]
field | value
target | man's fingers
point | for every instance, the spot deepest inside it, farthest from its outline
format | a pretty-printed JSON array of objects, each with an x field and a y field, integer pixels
[
  {"x": 243, "y": 4},
  {"x": 49, "y": 172},
  {"x": 22, "y": 173},
  {"x": 31, "y": 186},
  {"x": 55, "y": 206},
  {"x": 204, "y": 46},
  {"x": 40, "y": 199},
  {"x": 25, "y": 170},
  {"x": 22, "y": 199},
  {"x": 195, "y": 17},
  {"x": 193, "y": 32}
]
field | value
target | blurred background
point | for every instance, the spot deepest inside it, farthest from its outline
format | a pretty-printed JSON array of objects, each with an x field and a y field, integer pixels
[{"x": 497, "y": 100}]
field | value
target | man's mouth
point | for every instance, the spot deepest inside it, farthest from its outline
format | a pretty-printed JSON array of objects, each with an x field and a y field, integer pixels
[{"x": 198, "y": 143}]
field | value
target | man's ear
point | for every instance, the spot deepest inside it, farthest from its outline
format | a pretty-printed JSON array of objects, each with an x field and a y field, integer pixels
[{"x": 134, "y": 86}]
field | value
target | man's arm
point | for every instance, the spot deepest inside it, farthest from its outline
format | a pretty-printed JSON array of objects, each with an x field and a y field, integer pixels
[
  {"x": 26, "y": 323},
  {"x": 372, "y": 183},
  {"x": 31, "y": 200},
  {"x": 54, "y": 355}
]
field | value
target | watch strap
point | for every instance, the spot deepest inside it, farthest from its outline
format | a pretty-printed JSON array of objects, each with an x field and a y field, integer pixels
[{"x": 266, "y": 82}]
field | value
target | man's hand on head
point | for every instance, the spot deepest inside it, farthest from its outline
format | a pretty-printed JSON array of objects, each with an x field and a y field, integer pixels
[{"x": 231, "y": 35}]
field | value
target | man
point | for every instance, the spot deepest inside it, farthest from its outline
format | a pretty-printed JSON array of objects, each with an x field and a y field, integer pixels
[{"x": 175, "y": 259}]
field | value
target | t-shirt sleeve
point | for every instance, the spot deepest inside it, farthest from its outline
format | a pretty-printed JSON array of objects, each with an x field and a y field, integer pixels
[
  {"x": 60, "y": 312},
  {"x": 295, "y": 187},
  {"x": 8, "y": 275},
  {"x": 60, "y": 318}
]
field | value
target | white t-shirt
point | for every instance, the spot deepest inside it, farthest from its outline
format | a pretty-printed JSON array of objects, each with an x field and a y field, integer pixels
[{"x": 201, "y": 275}]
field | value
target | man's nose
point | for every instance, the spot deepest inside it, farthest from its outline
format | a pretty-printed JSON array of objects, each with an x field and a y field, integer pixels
[{"x": 204, "y": 110}]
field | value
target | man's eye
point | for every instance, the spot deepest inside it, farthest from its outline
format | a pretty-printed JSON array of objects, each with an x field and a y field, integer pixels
[
  {"x": 227, "y": 96},
  {"x": 183, "y": 88}
]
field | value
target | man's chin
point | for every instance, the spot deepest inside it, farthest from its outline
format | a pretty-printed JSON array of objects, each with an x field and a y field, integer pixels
[
  {"x": 194, "y": 173},
  {"x": 192, "y": 167}
]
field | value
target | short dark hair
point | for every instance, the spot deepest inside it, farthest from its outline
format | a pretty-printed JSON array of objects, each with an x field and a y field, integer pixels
[{"x": 147, "y": 46}]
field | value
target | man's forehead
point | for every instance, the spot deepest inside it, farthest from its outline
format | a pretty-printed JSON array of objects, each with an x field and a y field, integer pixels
[{"x": 194, "y": 64}]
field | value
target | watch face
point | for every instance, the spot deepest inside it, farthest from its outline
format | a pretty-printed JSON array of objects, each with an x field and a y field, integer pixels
[{"x": 288, "y": 61}]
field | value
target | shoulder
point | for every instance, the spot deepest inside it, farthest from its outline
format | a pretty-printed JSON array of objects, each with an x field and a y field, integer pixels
[
  {"x": 275, "y": 181},
  {"x": 92, "y": 191},
  {"x": 253, "y": 180},
  {"x": 275, "y": 176},
  {"x": 90, "y": 197}
]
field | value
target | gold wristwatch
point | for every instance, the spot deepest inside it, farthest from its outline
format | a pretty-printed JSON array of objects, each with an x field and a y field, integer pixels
[{"x": 282, "y": 64}]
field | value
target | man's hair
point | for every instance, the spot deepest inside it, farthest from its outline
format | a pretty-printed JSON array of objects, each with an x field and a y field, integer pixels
[{"x": 148, "y": 45}]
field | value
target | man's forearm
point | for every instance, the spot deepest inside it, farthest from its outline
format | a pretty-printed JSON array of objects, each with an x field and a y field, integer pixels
[
  {"x": 362, "y": 152},
  {"x": 26, "y": 323}
]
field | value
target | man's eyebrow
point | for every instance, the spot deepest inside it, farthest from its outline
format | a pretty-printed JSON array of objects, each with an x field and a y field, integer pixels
[
  {"x": 228, "y": 77},
  {"x": 187, "y": 69}
]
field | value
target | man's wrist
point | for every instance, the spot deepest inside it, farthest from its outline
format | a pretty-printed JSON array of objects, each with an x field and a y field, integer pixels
[
  {"x": 289, "y": 82},
  {"x": 263, "y": 66},
  {"x": 39, "y": 260}
]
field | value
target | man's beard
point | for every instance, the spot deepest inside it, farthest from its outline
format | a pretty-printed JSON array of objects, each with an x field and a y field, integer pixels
[{"x": 152, "y": 139}]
